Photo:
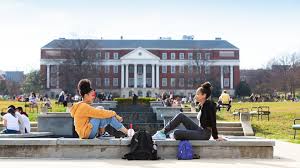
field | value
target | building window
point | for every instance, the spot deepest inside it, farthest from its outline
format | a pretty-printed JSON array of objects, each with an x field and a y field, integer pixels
[
  {"x": 106, "y": 68},
  {"x": 164, "y": 82},
  {"x": 226, "y": 82},
  {"x": 173, "y": 69},
  {"x": 198, "y": 69},
  {"x": 106, "y": 55},
  {"x": 181, "y": 56},
  {"x": 181, "y": 82},
  {"x": 190, "y": 82},
  {"x": 226, "y": 53},
  {"x": 173, "y": 82},
  {"x": 164, "y": 56},
  {"x": 115, "y": 82},
  {"x": 98, "y": 82},
  {"x": 181, "y": 69},
  {"x": 207, "y": 69},
  {"x": 131, "y": 69},
  {"x": 190, "y": 55},
  {"x": 164, "y": 69},
  {"x": 98, "y": 55},
  {"x": 148, "y": 82},
  {"x": 198, "y": 56},
  {"x": 116, "y": 69},
  {"x": 190, "y": 68},
  {"x": 148, "y": 69},
  {"x": 226, "y": 69},
  {"x": 207, "y": 56},
  {"x": 173, "y": 56},
  {"x": 140, "y": 70},
  {"x": 130, "y": 82},
  {"x": 106, "y": 82},
  {"x": 116, "y": 55}
]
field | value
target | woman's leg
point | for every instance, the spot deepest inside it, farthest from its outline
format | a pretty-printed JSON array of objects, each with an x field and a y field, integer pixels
[
  {"x": 102, "y": 123},
  {"x": 114, "y": 123},
  {"x": 96, "y": 123},
  {"x": 177, "y": 120},
  {"x": 200, "y": 134}
]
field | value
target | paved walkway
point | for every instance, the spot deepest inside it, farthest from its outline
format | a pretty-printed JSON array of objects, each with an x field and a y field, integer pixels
[{"x": 287, "y": 155}]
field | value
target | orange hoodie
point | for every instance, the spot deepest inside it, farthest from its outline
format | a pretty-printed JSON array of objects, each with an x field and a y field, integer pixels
[{"x": 82, "y": 112}]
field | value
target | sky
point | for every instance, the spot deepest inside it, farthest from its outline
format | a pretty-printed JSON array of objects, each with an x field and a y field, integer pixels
[{"x": 261, "y": 30}]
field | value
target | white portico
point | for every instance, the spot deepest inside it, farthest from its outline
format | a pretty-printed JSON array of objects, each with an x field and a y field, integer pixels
[{"x": 145, "y": 69}]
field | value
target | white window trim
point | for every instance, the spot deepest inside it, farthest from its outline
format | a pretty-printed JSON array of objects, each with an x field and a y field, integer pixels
[
  {"x": 173, "y": 56},
  {"x": 162, "y": 56},
  {"x": 164, "y": 82},
  {"x": 181, "y": 56},
  {"x": 116, "y": 55},
  {"x": 164, "y": 67},
  {"x": 173, "y": 67},
  {"x": 116, "y": 69}
]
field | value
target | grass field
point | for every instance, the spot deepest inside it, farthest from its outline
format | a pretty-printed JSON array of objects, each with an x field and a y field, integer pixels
[
  {"x": 281, "y": 119},
  {"x": 279, "y": 126},
  {"x": 32, "y": 115}
]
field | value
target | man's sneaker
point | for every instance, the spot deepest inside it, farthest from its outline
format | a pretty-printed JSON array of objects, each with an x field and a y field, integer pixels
[{"x": 159, "y": 136}]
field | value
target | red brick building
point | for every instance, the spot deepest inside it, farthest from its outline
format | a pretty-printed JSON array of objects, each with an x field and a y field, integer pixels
[{"x": 147, "y": 67}]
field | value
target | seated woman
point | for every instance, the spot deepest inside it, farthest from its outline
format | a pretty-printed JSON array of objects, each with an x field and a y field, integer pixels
[
  {"x": 10, "y": 121},
  {"x": 90, "y": 121},
  {"x": 25, "y": 126},
  {"x": 206, "y": 116},
  {"x": 33, "y": 100}
]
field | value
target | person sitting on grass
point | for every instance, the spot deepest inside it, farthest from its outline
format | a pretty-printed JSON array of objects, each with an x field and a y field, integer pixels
[
  {"x": 207, "y": 117},
  {"x": 89, "y": 121},
  {"x": 10, "y": 122}
]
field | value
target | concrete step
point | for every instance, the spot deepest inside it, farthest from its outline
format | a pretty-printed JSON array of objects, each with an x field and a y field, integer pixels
[
  {"x": 32, "y": 124},
  {"x": 34, "y": 129},
  {"x": 229, "y": 124},
  {"x": 233, "y": 133},
  {"x": 230, "y": 128}
]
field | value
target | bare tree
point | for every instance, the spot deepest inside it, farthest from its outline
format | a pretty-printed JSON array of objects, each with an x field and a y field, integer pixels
[
  {"x": 81, "y": 60},
  {"x": 285, "y": 72},
  {"x": 198, "y": 65}
]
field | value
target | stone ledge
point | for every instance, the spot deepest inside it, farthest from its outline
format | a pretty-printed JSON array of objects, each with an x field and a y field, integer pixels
[
  {"x": 124, "y": 142},
  {"x": 29, "y": 135},
  {"x": 116, "y": 148}
]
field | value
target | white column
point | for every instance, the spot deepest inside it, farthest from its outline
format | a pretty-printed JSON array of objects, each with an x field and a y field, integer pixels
[
  {"x": 144, "y": 75},
  {"x": 48, "y": 76},
  {"x": 122, "y": 76},
  {"x": 231, "y": 77},
  {"x": 135, "y": 75},
  {"x": 157, "y": 76},
  {"x": 152, "y": 79},
  {"x": 222, "y": 78},
  {"x": 127, "y": 75}
]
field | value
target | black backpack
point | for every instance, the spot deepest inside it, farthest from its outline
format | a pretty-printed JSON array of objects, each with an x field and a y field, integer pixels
[{"x": 142, "y": 147}]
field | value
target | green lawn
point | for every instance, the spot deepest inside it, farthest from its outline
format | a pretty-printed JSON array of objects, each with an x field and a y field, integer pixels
[
  {"x": 281, "y": 119},
  {"x": 32, "y": 115},
  {"x": 279, "y": 126}
]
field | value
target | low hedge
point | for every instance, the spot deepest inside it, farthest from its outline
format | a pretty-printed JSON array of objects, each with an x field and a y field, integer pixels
[{"x": 140, "y": 100}]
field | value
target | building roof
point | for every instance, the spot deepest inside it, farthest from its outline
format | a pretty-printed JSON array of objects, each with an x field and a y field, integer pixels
[{"x": 148, "y": 44}]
